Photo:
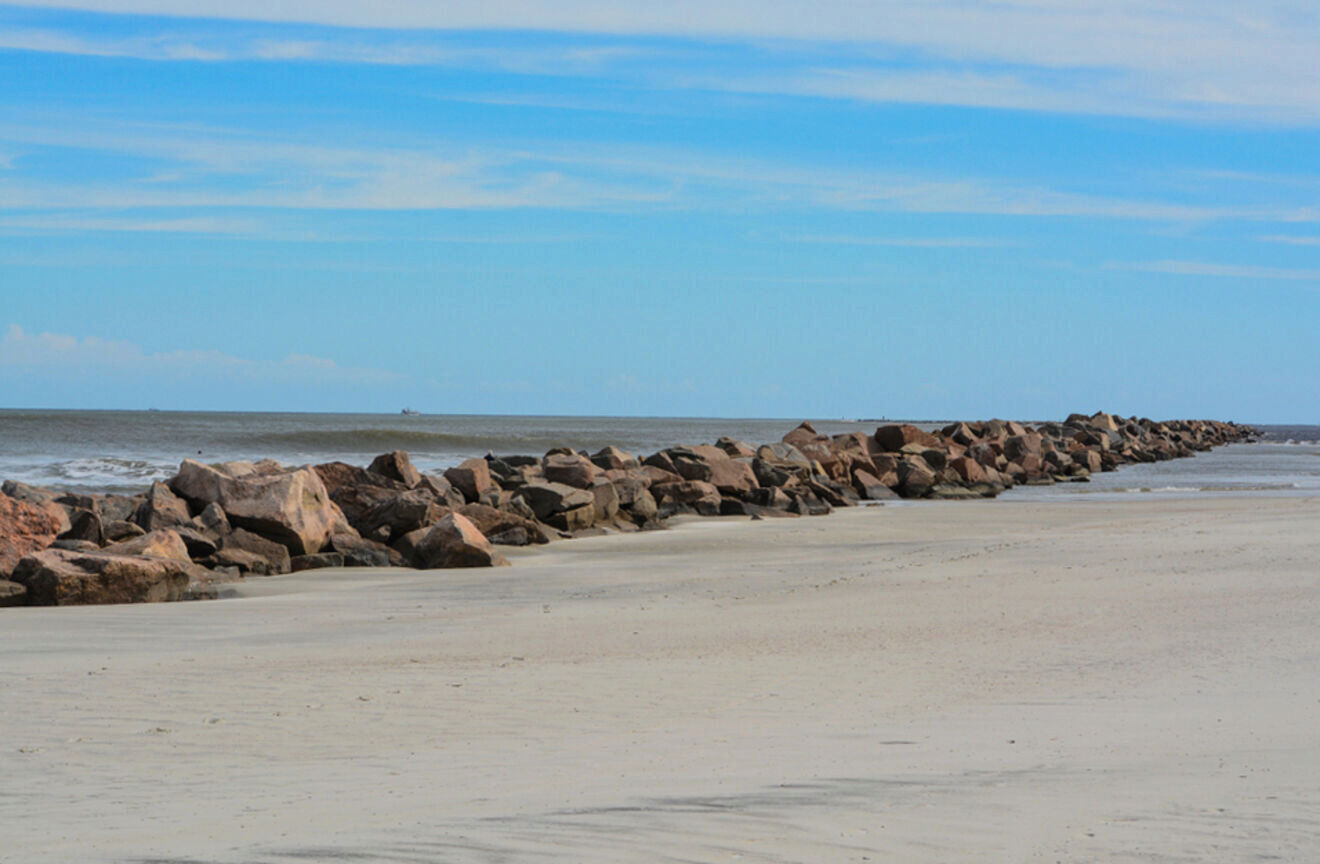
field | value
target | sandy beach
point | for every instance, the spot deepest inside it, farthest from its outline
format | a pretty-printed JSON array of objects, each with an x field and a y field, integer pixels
[{"x": 959, "y": 681}]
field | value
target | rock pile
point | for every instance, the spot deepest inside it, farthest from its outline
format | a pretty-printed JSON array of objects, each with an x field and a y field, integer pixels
[{"x": 211, "y": 523}]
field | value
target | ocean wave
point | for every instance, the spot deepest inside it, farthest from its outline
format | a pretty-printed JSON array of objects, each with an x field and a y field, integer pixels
[
  {"x": 91, "y": 473},
  {"x": 418, "y": 440}
]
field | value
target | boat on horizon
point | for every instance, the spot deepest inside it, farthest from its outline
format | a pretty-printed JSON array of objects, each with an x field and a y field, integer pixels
[{"x": 409, "y": 412}]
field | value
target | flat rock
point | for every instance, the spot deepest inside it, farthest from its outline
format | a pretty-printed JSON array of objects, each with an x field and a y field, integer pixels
[
  {"x": 162, "y": 543},
  {"x": 57, "y": 577}
]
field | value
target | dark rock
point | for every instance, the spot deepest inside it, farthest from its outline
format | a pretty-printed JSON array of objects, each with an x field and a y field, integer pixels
[
  {"x": 870, "y": 487},
  {"x": 569, "y": 469},
  {"x": 162, "y": 543},
  {"x": 398, "y": 466},
  {"x": 161, "y": 509},
  {"x": 455, "y": 542},
  {"x": 894, "y": 438},
  {"x": 399, "y": 514},
  {"x": 318, "y": 561},
  {"x": 471, "y": 477},
  {"x": 121, "y": 530},
  {"x": 58, "y": 577},
  {"x": 213, "y": 520},
  {"x": 274, "y": 555},
  {"x": 915, "y": 477},
  {"x": 614, "y": 458},
  {"x": 291, "y": 507},
  {"x": 509, "y": 526},
  {"x": 85, "y": 525},
  {"x": 361, "y": 552},
  {"x": 695, "y": 495},
  {"x": 12, "y": 594},
  {"x": 546, "y": 499},
  {"x": 76, "y": 546}
]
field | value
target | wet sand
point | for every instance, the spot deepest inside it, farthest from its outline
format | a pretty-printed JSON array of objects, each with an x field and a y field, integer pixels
[{"x": 954, "y": 682}]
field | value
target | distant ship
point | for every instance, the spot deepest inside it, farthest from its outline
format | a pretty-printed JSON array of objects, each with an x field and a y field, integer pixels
[{"x": 410, "y": 412}]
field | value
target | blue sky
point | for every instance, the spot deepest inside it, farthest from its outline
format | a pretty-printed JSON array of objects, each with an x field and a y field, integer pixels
[{"x": 926, "y": 209}]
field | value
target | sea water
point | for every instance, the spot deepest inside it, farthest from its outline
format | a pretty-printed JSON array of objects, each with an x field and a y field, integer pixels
[{"x": 123, "y": 451}]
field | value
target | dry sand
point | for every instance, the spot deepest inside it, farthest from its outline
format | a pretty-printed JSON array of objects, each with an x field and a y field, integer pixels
[{"x": 978, "y": 682}]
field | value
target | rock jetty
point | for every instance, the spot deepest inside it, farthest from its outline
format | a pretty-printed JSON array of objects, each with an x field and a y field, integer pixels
[{"x": 181, "y": 539}]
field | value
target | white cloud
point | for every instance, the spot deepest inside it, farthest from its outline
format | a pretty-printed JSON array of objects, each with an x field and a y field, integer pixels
[
  {"x": 903, "y": 242},
  {"x": 20, "y": 350},
  {"x": 1218, "y": 58},
  {"x": 1291, "y": 240},
  {"x": 67, "y": 223},
  {"x": 218, "y": 169},
  {"x": 1206, "y": 268}
]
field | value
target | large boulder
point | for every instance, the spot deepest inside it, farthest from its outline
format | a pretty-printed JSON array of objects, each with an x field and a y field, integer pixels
[
  {"x": 547, "y": 499},
  {"x": 163, "y": 543},
  {"x": 733, "y": 477},
  {"x": 471, "y": 477},
  {"x": 399, "y": 514},
  {"x": 455, "y": 542},
  {"x": 252, "y": 553},
  {"x": 894, "y": 438},
  {"x": 24, "y": 528},
  {"x": 501, "y": 525},
  {"x": 161, "y": 509},
  {"x": 915, "y": 477},
  {"x": 870, "y": 487},
  {"x": 356, "y": 490},
  {"x": 687, "y": 495},
  {"x": 398, "y": 466},
  {"x": 612, "y": 458},
  {"x": 85, "y": 525},
  {"x": 570, "y": 469},
  {"x": 291, "y": 507},
  {"x": 58, "y": 577}
]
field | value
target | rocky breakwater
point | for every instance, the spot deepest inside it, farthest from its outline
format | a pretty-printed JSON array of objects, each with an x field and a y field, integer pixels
[{"x": 183, "y": 538}]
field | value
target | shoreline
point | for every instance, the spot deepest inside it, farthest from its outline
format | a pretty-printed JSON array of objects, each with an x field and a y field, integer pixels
[{"x": 1122, "y": 679}]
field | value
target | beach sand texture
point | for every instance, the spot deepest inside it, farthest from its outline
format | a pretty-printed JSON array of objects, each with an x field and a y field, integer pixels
[{"x": 952, "y": 682}]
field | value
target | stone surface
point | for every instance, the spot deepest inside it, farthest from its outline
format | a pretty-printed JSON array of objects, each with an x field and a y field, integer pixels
[
  {"x": 361, "y": 552},
  {"x": 57, "y": 577},
  {"x": 318, "y": 561},
  {"x": 275, "y": 555},
  {"x": 491, "y": 521},
  {"x": 398, "y": 466},
  {"x": 613, "y": 458},
  {"x": 570, "y": 469},
  {"x": 455, "y": 542},
  {"x": 471, "y": 477},
  {"x": 12, "y": 594},
  {"x": 894, "y": 438},
  {"x": 161, "y": 509},
  {"x": 546, "y": 499},
  {"x": 120, "y": 530},
  {"x": 162, "y": 543},
  {"x": 85, "y": 525},
  {"x": 290, "y": 507},
  {"x": 25, "y": 528}
]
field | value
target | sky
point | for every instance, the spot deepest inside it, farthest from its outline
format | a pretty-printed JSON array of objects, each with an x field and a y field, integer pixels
[{"x": 845, "y": 208}]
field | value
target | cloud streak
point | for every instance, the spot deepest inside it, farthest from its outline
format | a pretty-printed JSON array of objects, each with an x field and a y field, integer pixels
[
  {"x": 1230, "y": 271},
  {"x": 1212, "y": 59}
]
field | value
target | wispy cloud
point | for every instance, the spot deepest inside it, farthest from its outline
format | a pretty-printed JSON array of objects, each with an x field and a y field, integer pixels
[
  {"x": 1207, "y": 268},
  {"x": 21, "y": 350},
  {"x": 1216, "y": 59},
  {"x": 211, "y": 168},
  {"x": 1291, "y": 239},
  {"x": 68, "y": 223},
  {"x": 903, "y": 242}
]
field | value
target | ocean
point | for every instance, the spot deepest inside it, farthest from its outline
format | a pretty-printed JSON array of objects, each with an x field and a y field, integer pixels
[{"x": 123, "y": 451}]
